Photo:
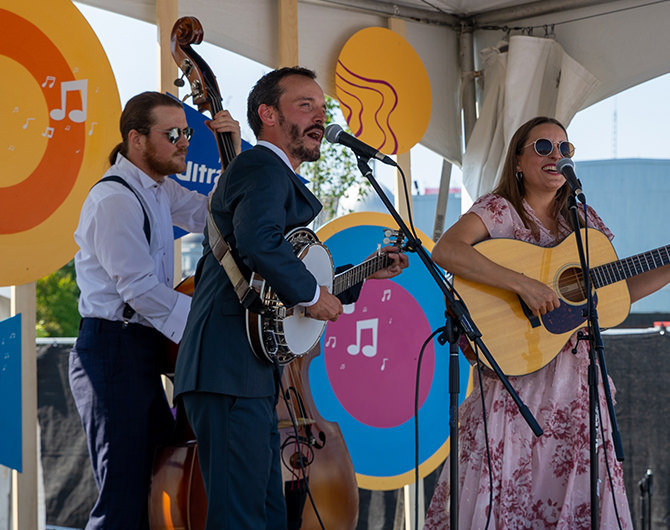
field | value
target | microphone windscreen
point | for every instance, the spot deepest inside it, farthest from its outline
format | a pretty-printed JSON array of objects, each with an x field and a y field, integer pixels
[
  {"x": 333, "y": 132},
  {"x": 563, "y": 162}
]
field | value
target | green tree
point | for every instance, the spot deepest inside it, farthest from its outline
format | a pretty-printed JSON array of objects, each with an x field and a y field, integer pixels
[
  {"x": 57, "y": 296},
  {"x": 335, "y": 172}
]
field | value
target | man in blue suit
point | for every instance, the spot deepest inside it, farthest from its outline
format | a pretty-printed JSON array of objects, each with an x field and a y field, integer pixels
[{"x": 229, "y": 395}]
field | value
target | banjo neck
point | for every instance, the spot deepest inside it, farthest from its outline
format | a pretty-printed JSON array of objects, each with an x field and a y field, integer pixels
[{"x": 357, "y": 274}]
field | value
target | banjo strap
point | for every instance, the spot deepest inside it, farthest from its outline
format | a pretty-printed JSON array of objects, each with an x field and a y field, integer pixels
[{"x": 221, "y": 249}]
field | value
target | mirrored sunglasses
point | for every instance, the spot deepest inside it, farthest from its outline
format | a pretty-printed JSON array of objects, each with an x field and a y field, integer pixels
[
  {"x": 175, "y": 133},
  {"x": 545, "y": 147}
]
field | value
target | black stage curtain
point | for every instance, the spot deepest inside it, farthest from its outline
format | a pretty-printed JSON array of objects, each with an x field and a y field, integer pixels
[
  {"x": 638, "y": 363},
  {"x": 69, "y": 487}
]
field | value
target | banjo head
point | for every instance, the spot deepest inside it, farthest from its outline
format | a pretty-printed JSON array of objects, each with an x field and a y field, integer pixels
[{"x": 302, "y": 333}]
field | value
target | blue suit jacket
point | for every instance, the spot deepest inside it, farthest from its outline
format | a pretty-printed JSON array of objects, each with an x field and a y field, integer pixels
[{"x": 257, "y": 200}]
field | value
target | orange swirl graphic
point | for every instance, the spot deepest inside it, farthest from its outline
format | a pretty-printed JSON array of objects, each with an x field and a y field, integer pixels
[
  {"x": 381, "y": 100},
  {"x": 383, "y": 90}
]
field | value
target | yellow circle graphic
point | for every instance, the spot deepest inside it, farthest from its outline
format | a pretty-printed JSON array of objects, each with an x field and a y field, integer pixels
[
  {"x": 61, "y": 117},
  {"x": 383, "y": 90}
]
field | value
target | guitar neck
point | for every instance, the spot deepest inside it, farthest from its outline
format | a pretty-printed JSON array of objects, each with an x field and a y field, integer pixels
[
  {"x": 357, "y": 274},
  {"x": 628, "y": 267}
]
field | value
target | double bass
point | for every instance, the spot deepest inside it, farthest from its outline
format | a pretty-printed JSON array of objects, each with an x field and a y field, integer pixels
[{"x": 319, "y": 480}]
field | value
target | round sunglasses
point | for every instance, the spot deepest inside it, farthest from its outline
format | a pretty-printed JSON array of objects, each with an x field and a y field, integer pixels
[
  {"x": 545, "y": 147},
  {"x": 175, "y": 133}
]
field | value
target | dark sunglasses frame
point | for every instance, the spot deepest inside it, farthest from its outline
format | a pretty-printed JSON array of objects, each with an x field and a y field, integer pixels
[
  {"x": 175, "y": 133},
  {"x": 565, "y": 148}
]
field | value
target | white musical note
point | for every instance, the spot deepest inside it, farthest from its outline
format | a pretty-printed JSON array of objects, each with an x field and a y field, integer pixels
[
  {"x": 50, "y": 80},
  {"x": 48, "y": 132},
  {"x": 342, "y": 366},
  {"x": 11, "y": 148},
  {"x": 25, "y": 125},
  {"x": 384, "y": 363},
  {"x": 16, "y": 109},
  {"x": 329, "y": 341},
  {"x": 90, "y": 133},
  {"x": 76, "y": 115},
  {"x": 369, "y": 350},
  {"x": 386, "y": 295}
]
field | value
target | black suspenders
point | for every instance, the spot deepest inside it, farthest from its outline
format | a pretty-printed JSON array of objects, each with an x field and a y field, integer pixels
[{"x": 128, "y": 311}]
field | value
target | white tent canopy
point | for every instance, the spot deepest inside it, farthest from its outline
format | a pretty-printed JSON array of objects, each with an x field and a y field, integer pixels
[{"x": 619, "y": 42}]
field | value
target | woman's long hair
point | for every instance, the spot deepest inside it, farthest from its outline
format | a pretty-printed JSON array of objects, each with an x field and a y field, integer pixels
[{"x": 513, "y": 189}]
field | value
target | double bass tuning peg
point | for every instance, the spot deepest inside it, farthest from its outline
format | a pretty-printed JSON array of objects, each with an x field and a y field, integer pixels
[{"x": 179, "y": 82}]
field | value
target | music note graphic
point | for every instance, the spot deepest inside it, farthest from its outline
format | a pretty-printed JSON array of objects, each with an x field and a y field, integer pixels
[
  {"x": 330, "y": 343},
  {"x": 384, "y": 363},
  {"x": 25, "y": 125},
  {"x": 48, "y": 132},
  {"x": 76, "y": 115},
  {"x": 348, "y": 309},
  {"x": 386, "y": 295},
  {"x": 11, "y": 148},
  {"x": 369, "y": 350},
  {"x": 50, "y": 80},
  {"x": 90, "y": 133}
]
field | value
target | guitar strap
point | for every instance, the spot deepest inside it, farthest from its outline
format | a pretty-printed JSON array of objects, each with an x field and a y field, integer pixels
[{"x": 221, "y": 249}]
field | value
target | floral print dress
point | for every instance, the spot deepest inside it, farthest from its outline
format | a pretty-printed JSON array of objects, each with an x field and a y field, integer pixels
[{"x": 538, "y": 482}]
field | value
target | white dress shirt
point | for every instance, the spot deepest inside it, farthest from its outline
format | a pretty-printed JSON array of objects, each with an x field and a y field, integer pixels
[{"x": 115, "y": 265}]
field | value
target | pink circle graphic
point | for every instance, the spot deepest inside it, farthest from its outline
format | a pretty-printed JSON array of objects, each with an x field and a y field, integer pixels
[{"x": 371, "y": 355}]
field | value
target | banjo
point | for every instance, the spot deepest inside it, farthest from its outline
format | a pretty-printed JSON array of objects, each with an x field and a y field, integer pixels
[{"x": 286, "y": 333}]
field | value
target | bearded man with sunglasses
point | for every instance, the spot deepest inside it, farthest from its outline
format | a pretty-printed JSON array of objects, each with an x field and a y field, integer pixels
[{"x": 128, "y": 306}]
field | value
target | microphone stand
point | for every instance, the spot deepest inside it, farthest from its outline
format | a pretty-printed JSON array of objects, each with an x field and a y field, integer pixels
[
  {"x": 458, "y": 321},
  {"x": 596, "y": 348}
]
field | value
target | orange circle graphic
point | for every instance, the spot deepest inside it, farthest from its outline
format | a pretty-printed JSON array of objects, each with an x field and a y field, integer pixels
[
  {"x": 33, "y": 200},
  {"x": 383, "y": 90},
  {"x": 61, "y": 113}
]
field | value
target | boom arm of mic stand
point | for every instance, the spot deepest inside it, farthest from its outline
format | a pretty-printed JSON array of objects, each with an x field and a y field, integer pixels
[{"x": 459, "y": 312}]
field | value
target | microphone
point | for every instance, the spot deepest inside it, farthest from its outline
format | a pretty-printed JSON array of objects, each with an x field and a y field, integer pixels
[
  {"x": 335, "y": 135},
  {"x": 566, "y": 167}
]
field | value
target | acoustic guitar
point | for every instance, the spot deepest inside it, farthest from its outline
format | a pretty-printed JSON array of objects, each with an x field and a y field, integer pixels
[{"x": 522, "y": 343}]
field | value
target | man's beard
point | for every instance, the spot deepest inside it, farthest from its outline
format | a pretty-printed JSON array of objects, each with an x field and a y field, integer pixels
[
  {"x": 163, "y": 167},
  {"x": 297, "y": 143}
]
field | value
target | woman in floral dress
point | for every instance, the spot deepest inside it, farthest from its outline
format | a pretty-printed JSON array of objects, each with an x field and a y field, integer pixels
[{"x": 538, "y": 482}]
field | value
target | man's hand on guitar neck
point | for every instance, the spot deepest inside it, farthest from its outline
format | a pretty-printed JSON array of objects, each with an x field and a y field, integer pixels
[{"x": 327, "y": 307}]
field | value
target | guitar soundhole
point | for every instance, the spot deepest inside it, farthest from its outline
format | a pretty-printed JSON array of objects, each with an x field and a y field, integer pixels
[{"x": 571, "y": 285}]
